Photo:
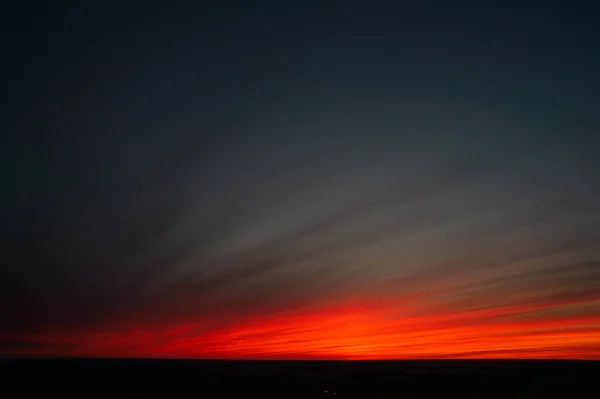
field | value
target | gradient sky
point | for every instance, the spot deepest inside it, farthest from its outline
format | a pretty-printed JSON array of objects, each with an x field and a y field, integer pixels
[{"x": 299, "y": 181}]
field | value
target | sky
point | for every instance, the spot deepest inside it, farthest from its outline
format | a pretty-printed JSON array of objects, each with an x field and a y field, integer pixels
[{"x": 300, "y": 180}]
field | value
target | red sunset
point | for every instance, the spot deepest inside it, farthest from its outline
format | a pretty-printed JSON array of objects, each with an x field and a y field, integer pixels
[{"x": 297, "y": 199}]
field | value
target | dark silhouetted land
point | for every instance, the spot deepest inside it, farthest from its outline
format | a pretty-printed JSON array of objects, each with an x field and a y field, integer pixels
[{"x": 110, "y": 378}]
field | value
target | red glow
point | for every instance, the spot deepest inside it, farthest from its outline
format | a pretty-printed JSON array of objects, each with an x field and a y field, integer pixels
[{"x": 368, "y": 331}]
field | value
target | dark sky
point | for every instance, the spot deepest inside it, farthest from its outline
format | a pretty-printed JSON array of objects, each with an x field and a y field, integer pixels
[{"x": 332, "y": 179}]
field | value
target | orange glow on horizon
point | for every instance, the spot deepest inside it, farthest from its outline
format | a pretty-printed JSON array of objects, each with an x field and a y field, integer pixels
[{"x": 367, "y": 332}]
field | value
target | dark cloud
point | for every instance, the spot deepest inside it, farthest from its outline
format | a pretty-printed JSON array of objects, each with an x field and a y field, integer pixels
[{"x": 187, "y": 165}]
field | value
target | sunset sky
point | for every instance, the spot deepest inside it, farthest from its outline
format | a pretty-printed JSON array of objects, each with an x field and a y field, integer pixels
[{"x": 280, "y": 180}]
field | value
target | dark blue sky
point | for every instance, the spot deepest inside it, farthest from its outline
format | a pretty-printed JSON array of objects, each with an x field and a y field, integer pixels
[{"x": 170, "y": 161}]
